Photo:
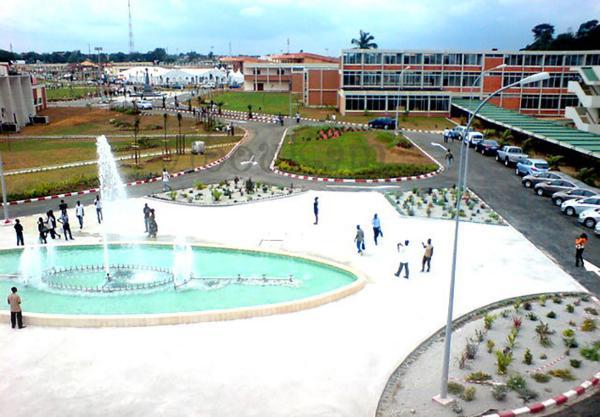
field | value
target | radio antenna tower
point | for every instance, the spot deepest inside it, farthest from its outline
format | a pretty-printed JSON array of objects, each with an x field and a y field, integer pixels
[{"x": 130, "y": 28}]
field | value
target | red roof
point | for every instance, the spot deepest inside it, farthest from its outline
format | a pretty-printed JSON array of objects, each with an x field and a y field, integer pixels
[{"x": 304, "y": 55}]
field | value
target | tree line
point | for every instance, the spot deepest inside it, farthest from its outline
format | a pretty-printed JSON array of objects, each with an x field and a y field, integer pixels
[{"x": 587, "y": 37}]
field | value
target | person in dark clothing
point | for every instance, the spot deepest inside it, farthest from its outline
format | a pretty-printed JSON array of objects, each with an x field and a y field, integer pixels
[
  {"x": 297, "y": 117},
  {"x": 51, "y": 224},
  {"x": 376, "y": 228},
  {"x": 152, "y": 226},
  {"x": 16, "y": 314},
  {"x": 63, "y": 207},
  {"x": 19, "y": 232},
  {"x": 316, "y": 210},
  {"x": 147, "y": 217},
  {"x": 42, "y": 230},
  {"x": 64, "y": 219},
  {"x": 580, "y": 243}
]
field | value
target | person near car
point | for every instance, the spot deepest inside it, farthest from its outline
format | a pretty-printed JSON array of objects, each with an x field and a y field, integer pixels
[
  {"x": 66, "y": 226},
  {"x": 449, "y": 158},
  {"x": 19, "y": 232},
  {"x": 63, "y": 207},
  {"x": 16, "y": 314},
  {"x": 79, "y": 213},
  {"x": 359, "y": 239},
  {"x": 98, "y": 205},
  {"x": 316, "y": 210},
  {"x": 376, "y": 228},
  {"x": 166, "y": 178},
  {"x": 404, "y": 255},
  {"x": 446, "y": 134},
  {"x": 427, "y": 255},
  {"x": 580, "y": 243}
]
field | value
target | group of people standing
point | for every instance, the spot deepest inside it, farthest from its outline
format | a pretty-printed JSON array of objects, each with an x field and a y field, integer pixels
[{"x": 49, "y": 225}]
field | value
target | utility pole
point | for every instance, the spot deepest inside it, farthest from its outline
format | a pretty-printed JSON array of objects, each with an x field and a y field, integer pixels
[
  {"x": 99, "y": 49},
  {"x": 130, "y": 27}
]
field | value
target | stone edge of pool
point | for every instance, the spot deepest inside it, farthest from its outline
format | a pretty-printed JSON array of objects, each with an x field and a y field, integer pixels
[{"x": 160, "y": 319}]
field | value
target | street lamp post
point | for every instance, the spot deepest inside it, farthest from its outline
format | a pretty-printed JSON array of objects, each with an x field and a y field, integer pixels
[
  {"x": 4, "y": 200},
  {"x": 462, "y": 182},
  {"x": 398, "y": 98}
]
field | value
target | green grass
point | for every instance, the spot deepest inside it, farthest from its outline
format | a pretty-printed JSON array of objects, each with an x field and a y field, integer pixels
[
  {"x": 65, "y": 93},
  {"x": 352, "y": 155},
  {"x": 273, "y": 103}
]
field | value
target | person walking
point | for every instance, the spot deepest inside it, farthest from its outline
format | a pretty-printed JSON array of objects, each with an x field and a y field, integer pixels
[
  {"x": 403, "y": 251},
  {"x": 427, "y": 255},
  {"x": 449, "y": 158},
  {"x": 19, "y": 232},
  {"x": 79, "y": 213},
  {"x": 51, "y": 224},
  {"x": 232, "y": 129},
  {"x": 146, "y": 211},
  {"x": 98, "y": 205},
  {"x": 446, "y": 133},
  {"x": 152, "y": 226},
  {"x": 166, "y": 177},
  {"x": 316, "y": 210},
  {"x": 16, "y": 314},
  {"x": 297, "y": 117},
  {"x": 66, "y": 226},
  {"x": 63, "y": 207},
  {"x": 376, "y": 228},
  {"x": 580, "y": 243},
  {"x": 42, "y": 230},
  {"x": 359, "y": 238}
]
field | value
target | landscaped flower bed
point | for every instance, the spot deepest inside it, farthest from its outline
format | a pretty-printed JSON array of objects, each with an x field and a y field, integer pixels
[
  {"x": 227, "y": 193},
  {"x": 520, "y": 353},
  {"x": 440, "y": 203}
]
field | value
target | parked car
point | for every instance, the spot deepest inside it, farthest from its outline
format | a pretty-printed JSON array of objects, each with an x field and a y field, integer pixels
[
  {"x": 473, "y": 138},
  {"x": 458, "y": 131},
  {"x": 198, "y": 147},
  {"x": 573, "y": 207},
  {"x": 144, "y": 105},
  {"x": 589, "y": 218},
  {"x": 546, "y": 188},
  {"x": 383, "y": 123},
  {"x": 530, "y": 166},
  {"x": 487, "y": 147},
  {"x": 530, "y": 181},
  {"x": 597, "y": 229},
  {"x": 560, "y": 197},
  {"x": 510, "y": 155}
]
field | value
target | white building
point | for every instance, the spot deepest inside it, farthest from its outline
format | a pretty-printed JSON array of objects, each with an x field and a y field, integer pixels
[
  {"x": 169, "y": 76},
  {"x": 16, "y": 100},
  {"x": 587, "y": 115}
]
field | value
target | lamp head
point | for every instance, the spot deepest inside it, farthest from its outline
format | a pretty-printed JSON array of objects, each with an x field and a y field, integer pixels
[{"x": 540, "y": 76}]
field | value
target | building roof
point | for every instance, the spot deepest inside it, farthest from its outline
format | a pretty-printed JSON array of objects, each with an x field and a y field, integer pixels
[
  {"x": 241, "y": 58},
  {"x": 302, "y": 56},
  {"x": 546, "y": 130}
]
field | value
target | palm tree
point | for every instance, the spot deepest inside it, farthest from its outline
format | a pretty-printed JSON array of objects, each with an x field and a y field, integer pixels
[{"x": 364, "y": 41}]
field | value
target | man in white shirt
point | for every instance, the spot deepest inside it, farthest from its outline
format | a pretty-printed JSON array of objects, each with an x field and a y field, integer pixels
[
  {"x": 79, "y": 214},
  {"x": 404, "y": 251},
  {"x": 166, "y": 177},
  {"x": 98, "y": 205}
]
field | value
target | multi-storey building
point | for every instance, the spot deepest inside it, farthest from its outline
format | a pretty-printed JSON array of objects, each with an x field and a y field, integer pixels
[
  {"x": 382, "y": 81},
  {"x": 587, "y": 116},
  {"x": 20, "y": 99}
]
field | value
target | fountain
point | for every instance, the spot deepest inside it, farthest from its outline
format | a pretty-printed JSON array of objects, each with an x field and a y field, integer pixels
[
  {"x": 30, "y": 266},
  {"x": 183, "y": 262}
]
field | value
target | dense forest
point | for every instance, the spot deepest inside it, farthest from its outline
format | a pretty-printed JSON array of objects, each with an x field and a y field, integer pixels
[{"x": 586, "y": 37}]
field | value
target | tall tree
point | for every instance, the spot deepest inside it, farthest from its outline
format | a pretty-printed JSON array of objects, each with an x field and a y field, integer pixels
[
  {"x": 364, "y": 41},
  {"x": 543, "y": 35}
]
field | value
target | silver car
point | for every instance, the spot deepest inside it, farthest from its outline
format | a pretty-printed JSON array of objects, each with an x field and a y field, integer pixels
[
  {"x": 589, "y": 218},
  {"x": 562, "y": 196},
  {"x": 529, "y": 181},
  {"x": 574, "y": 207},
  {"x": 547, "y": 188}
]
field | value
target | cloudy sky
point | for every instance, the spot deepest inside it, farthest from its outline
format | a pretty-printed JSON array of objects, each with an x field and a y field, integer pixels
[{"x": 263, "y": 26}]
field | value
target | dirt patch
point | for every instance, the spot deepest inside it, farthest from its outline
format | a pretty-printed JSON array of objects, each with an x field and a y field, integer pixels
[{"x": 396, "y": 154}]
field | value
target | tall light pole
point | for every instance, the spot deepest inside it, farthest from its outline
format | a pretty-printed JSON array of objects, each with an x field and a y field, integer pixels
[
  {"x": 98, "y": 49},
  {"x": 400, "y": 83},
  {"x": 462, "y": 181},
  {"x": 6, "y": 220}
]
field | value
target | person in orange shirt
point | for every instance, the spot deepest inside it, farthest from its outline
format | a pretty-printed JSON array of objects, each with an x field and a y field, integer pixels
[
  {"x": 16, "y": 315},
  {"x": 579, "y": 247}
]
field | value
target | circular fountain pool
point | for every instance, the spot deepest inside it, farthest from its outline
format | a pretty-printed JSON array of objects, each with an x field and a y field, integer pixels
[{"x": 221, "y": 284}]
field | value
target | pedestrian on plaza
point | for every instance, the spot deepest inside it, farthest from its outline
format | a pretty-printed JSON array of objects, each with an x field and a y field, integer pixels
[
  {"x": 228, "y": 129},
  {"x": 51, "y": 224},
  {"x": 63, "y": 207},
  {"x": 64, "y": 219},
  {"x": 446, "y": 134},
  {"x": 236, "y": 180},
  {"x": 297, "y": 117},
  {"x": 427, "y": 255},
  {"x": 359, "y": 239},
  {"x": 231, "y": 129},
  {"x": 146, "y": 211},
  {"x": 166, "y": 177},
  {"x": 98, "y": 205},
  {"x": 580, "y": 243},
  {"x": 449, "y": 157},
  {"x": 376, "y": 228},
  {"x": 42, "y": 230},
  {"x": 79, "y": 213},
  {"x": 316, "y": 210},
  {"x": 280, "y": 117},
  {"x": 403, "y": 251},
  {"x": 152, "y": 226},
  {"x": 19, "y": 231},
  {"x": 16, "y": 314}
]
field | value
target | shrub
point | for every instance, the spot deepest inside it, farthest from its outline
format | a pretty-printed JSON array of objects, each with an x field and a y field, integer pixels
[
  {"x": 511, "y": 340},
  {"x": 490, "y": 345},
  {"x": 527, "y": 306},
  {"x": 503, "y": 361},
  {"x": 541, "y": 377},
  {"x": 488, "y": 321},
  {"x": 478, "y": 376},
  {"x": 516, "y": 382},
  {"x": 588, "y": 325},
  {"x": 570, "y": 308},
  {"x": 543, "y": 299},
  {"x": 527, "y": 357},
  {"x": 527, "y": 145},
  {"x": 468, "y": 394},
  {"x": 479, "y": 335},
  {"x": 471, "y": 349},
  {"x": 517, "y": 304},
  {"x": 551, "y": 315},
  {"x": 590, "y": 353},
  {"x": 587, "y": 175},
  {"x": 532, "y": 316},
  {"x": 591, "y": 310},
  {"x": 557, "y": 299},
  {"x": 543, "y": 332},
  {"x": 499, "y": 392},
  {"x": 564, "y": 374},
  {"x": 455, "y": 388},
  {"x": 575, "y": 363},
  {"x": 554, "y": 161},
  {"x": 172, "y": 195},
  {"x": 517, "y": 321},
  {"x": 199, "y": 185},
  {"x": 216, "y": 194}
]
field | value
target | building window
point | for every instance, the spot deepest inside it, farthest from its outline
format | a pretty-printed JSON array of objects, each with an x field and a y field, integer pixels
[
  {"x": 355, "y": 103},
  {"x": 418, "y": 103},
  {"x": 592, "y": 59},
  {"x": 569, "y": 77},
  {"x": 469, "y": 79},
  {"x": 549, "y": 102},
  {"x": 437, "y": 103},
  {"x": 392, "y": 59},
  {"x": 372, "y": 58},
  {"x": 514, "y": 60},
  {"x": 352, "y": 58},
  {"x": 411, "y": 78},
  {"x": 396, "y": 103},
  {"x": 371, "y": 78},
  {"x": 572, "y": 60},
  {"x": 432, "y": 79},
  {"x": 453, "y": 59},
  {"x": 569, "y": 101},
  {"x": 530, "y": 101},
  {"x": 351, "y": 78},
  {"x": 532, "y": 60},
  {"x": 391, "y": 78},
  {"x": 554, "y": 81},
  {"x": 432, "y": 59},
  {"x": 553, "y": 60},
  {"x": 531, "y": 85},
  {"x": 452, "y": 79},
  {"x": 414, "y": 59},
  {"x": 511, "y": 78},
  {"x": 472, "y": 59},
  {"x": 376, "y": 102}
]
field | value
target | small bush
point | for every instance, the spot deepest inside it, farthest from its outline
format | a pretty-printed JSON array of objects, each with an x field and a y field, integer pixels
[
  {"x": 488, "y": 321},
  {"x": 541, "y": 377},
  {"x": 468, "y": 394},
  {"x": 516, "y": 382},
  {"x": 503, "y": 361},
  {"x": 216, "y": 194},
  {"x": 570, "y": 308},
  {"x": 588, "y": 325},
  {"x": 490, "y": 345},
  {"x": 455, "y": 388},
  {"x": 527, "y": 357},
  {"x": 564, "y": 374},
  {"x": 527, "y": 306},
  {"x": 575, "y": 363},
  {"x": 532, "y": 316},
  {"x": 499, "y": 392},
  {"x": 172, "y": 195},
  {"x": 199, "y": 186},
  {"x": 591, "y": 310},
  {"x": 478, "y": 376},
  {"x": 471, "y": 349},
  {"x": 543, "y": 299},
  {"x": 587, "y": 175},
  {"x": 590, "y": 353},
  {"x": 557, "y": 299},
  {"x": 551, "y": 315}
]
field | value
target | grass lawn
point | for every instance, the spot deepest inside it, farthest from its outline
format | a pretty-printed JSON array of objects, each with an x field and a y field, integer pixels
[
  {"x": 67, "y": 93},
  {"x": 80, "y": 178},
  {"x": 369, "y": 154}
]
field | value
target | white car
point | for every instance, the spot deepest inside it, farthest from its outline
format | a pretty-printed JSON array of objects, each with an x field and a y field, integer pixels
[
  {"x": 574, "y": 207},
  {"x": 144, "y": 105},
  {"x": 473, "y": 138},
  {"x": 589, "y": 218},
  {"x": 597, "y": 229}
]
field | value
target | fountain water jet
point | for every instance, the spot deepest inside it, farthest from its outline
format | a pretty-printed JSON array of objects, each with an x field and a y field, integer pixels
[{"x": 30, "y": 266}]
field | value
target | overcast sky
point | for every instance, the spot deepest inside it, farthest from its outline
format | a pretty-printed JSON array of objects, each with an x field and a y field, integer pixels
[{"x": 263, "y": 26}]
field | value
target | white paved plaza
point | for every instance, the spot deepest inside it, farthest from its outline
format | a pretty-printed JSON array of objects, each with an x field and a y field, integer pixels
[{"x": 330, "y": 361}]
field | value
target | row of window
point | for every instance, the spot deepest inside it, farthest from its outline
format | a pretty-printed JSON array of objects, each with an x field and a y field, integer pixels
[
  {"x": 556, "y": 80},
  {"x": 417, "y": 58},
  {"x": 270, "y": 71},
  {"x": 545, "y": 101},
  {"x": 393, "y": 103}
]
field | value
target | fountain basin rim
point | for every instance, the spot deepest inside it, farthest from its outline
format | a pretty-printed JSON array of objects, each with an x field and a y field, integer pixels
[{"x": 159, "y": 319}]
